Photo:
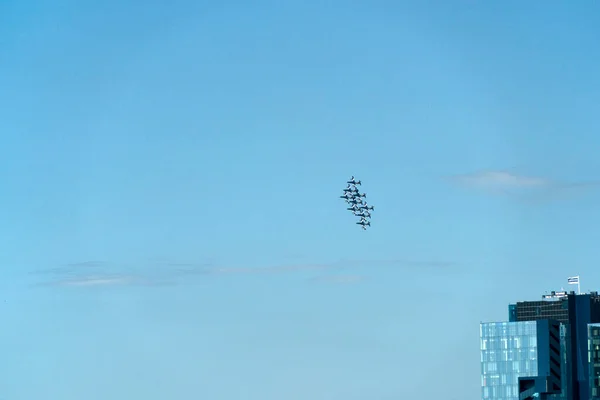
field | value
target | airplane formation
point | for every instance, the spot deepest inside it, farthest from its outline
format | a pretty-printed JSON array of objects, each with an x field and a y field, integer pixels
[{"x": 357, "y": 203}]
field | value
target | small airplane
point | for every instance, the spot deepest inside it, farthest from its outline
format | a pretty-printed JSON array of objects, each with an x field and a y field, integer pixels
[
  {"x": 347, "y": 196},
  {"x": 363, "y": 214},
  {"x": 356, "y": 201},
  {"x": 366, "y": 207},
  {"x": 352, "y": 181},
  {"x": 364, "y": 224},
  {"x": 363, "y": 195},
  {"x": 354, "y": 208}
]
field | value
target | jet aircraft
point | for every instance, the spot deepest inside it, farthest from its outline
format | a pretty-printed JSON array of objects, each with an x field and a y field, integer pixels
[
  {"x": 356, "y": 202},
  {"x": 351, "y": 198},
  {"x": 364, "y": 224}
]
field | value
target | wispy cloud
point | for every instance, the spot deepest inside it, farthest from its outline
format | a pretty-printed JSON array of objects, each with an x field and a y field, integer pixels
[
  {"x": 339, "y": 279},
  {"x": 500, "y": 180},
  {"x": 521, "y": 186},
  {"x": 106, "y": 280},
  {"x": 274, "y": 269},
  {"x": 86, "y": 264},
  {"x": 400, "y": 263},
  {"x": 96, "y": 280},
  {"x": 336, "y": 265},
  {"x": 95, "y": 273},
  {"x": 169, "y": 274},
  {"x": 71, "y": 268}
]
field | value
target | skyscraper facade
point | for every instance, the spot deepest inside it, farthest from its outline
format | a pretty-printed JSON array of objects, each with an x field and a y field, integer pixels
[
  {"x": 548, "y": 349},
  {"x": 594, "y": 358}
]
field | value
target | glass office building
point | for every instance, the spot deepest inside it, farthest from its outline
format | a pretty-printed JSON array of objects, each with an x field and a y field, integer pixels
[
  {"x": 509, "y": 350},
  {"x": 565, "y": 353},
  {"x": 549, "y": 349},
  {"x": 594, "y": 360}
]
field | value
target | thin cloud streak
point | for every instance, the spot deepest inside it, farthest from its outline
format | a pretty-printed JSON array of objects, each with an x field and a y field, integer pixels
[
  {"x": 72, "y": 268},
  {"x": 269, "y": 270},
  {"x": 87, "y": 264},
  {"x": 185, "y": 272},
  {"x": 339, "y": 279},
  {"x": 527, "y": 188},
  {"x": 402, "y": 263},
  {"x": 500, "y": 179},
  {"x": 96, "y": 281},
  {"x": 342, "y": 264},
  {"x": 107, "y": 280}
]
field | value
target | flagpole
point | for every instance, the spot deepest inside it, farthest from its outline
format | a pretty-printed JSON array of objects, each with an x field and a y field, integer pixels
[{"x": 575, "y": 280}]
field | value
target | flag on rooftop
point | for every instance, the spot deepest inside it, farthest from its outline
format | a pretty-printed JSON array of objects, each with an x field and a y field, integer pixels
[{"x": 573, "y": 280}]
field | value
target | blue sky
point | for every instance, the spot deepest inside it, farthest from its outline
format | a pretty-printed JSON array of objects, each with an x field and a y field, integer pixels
[{"x": 171, "y": 225}]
